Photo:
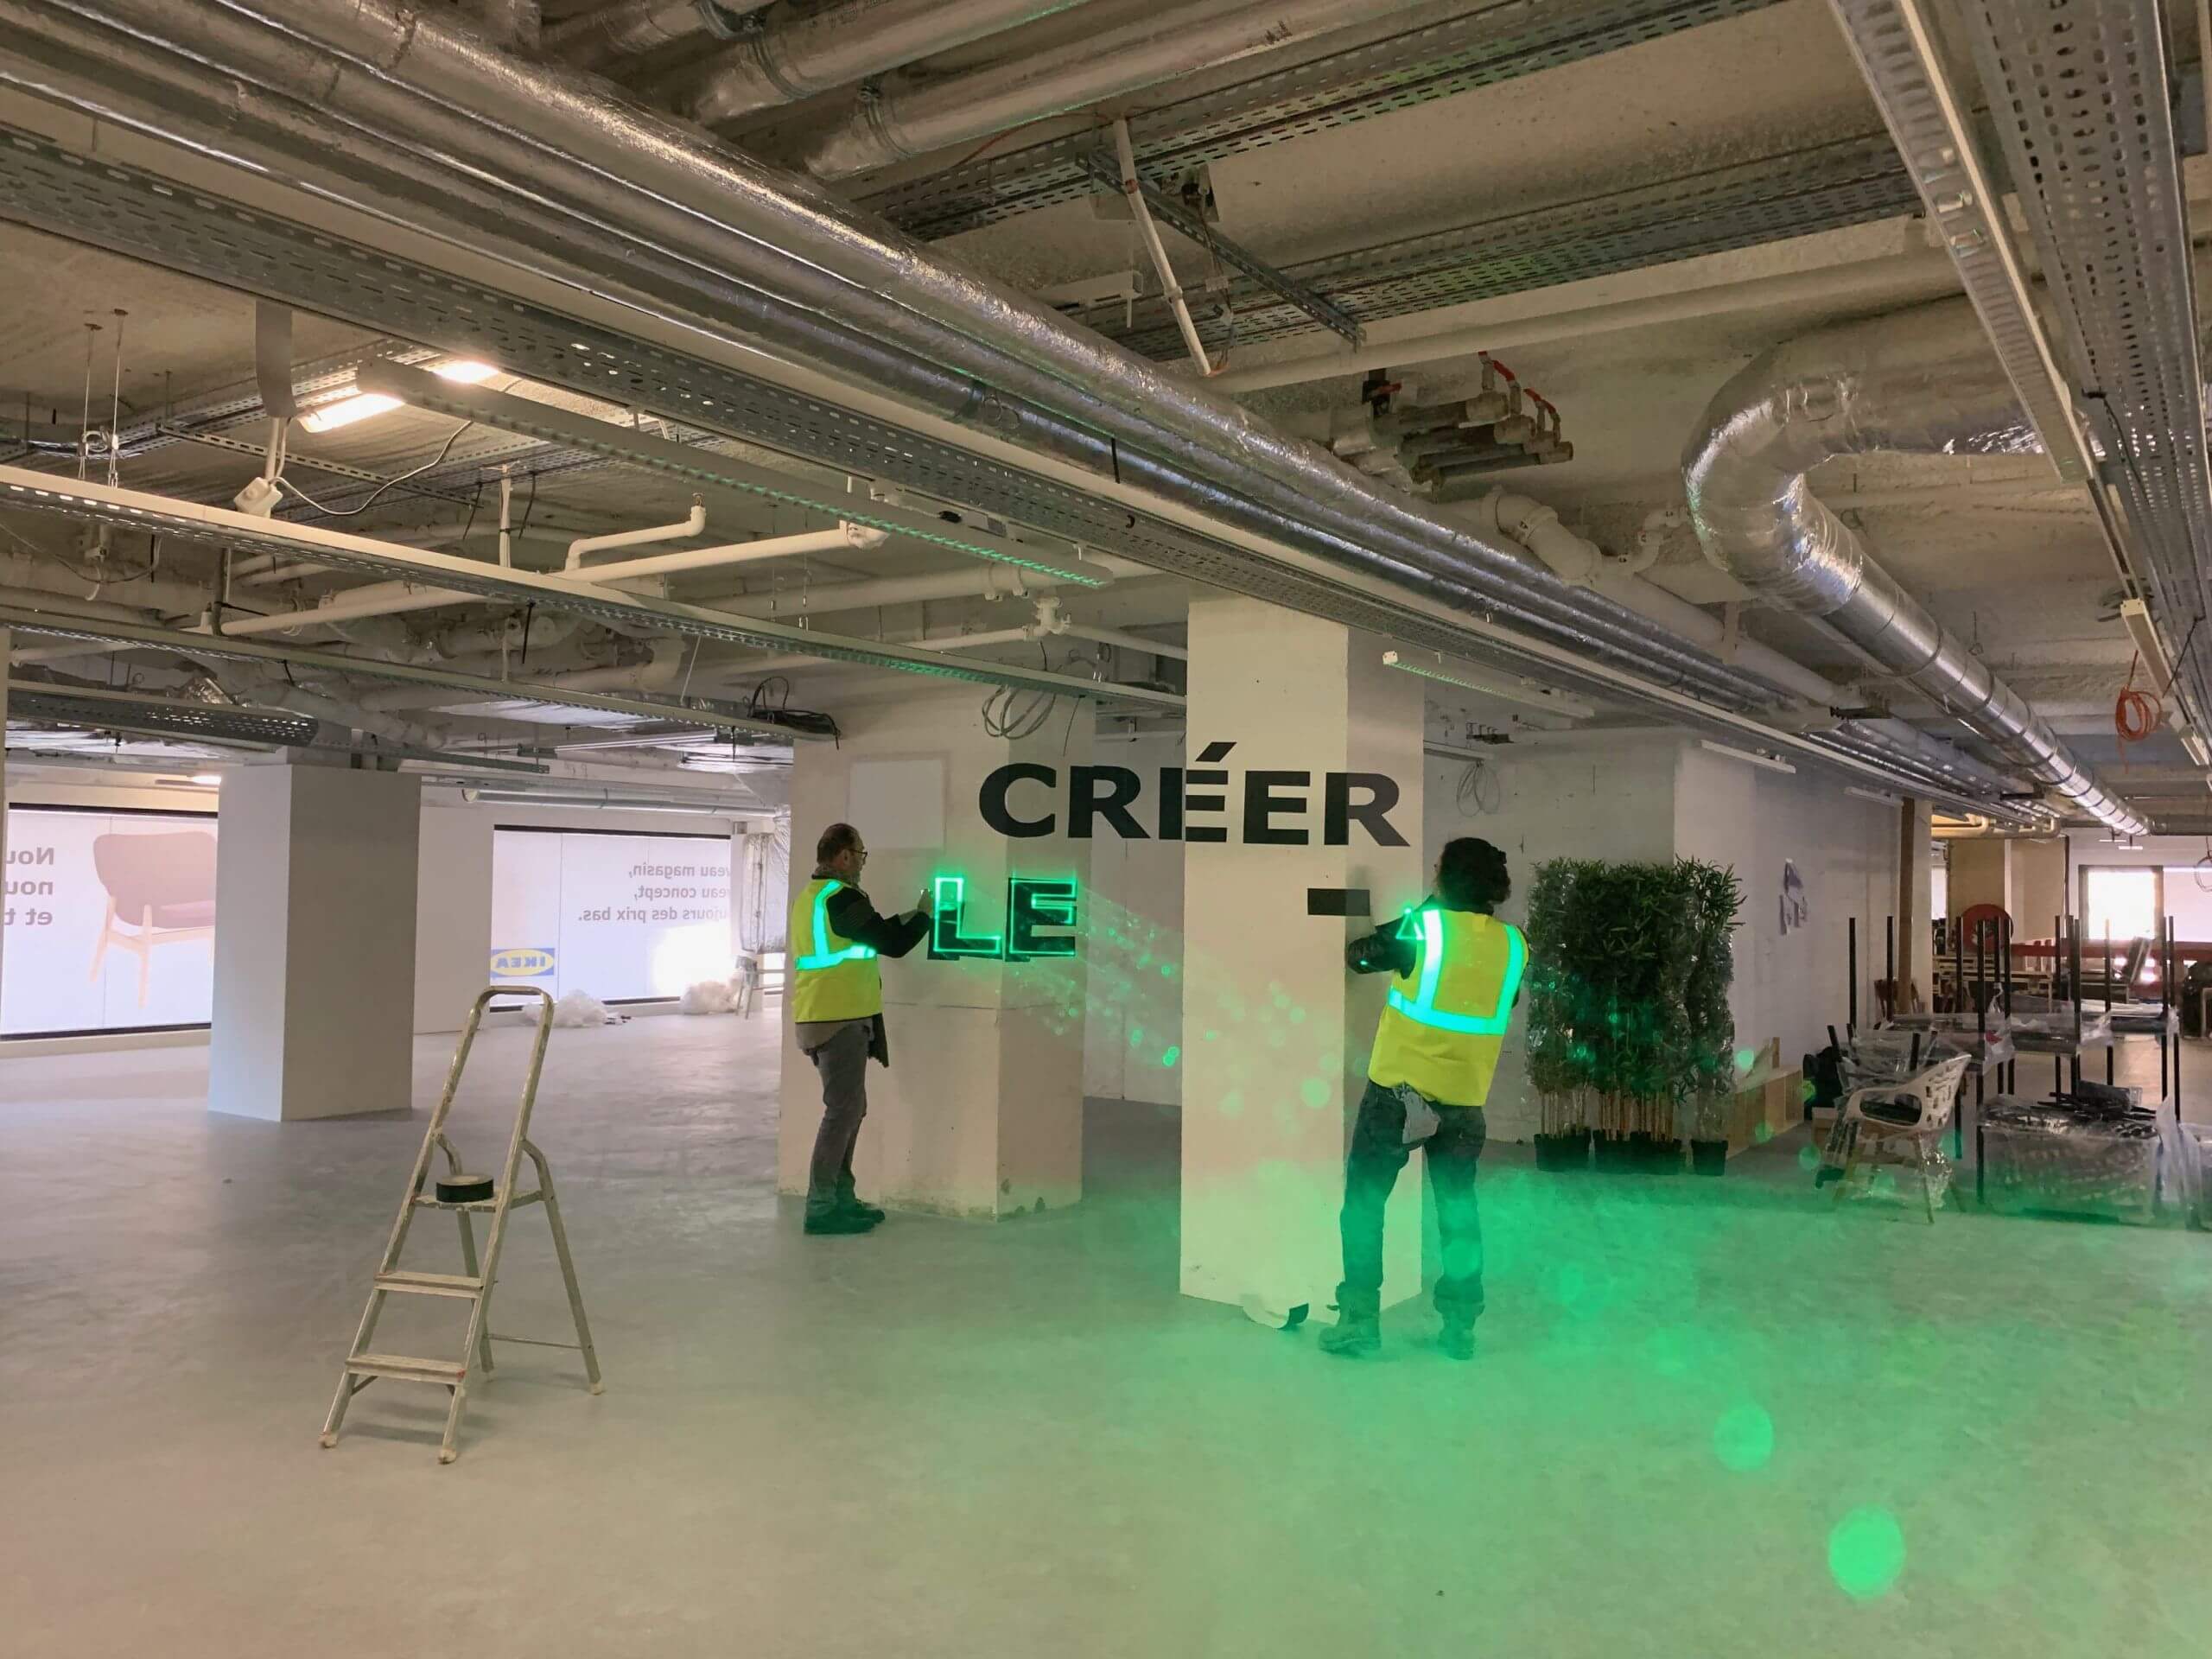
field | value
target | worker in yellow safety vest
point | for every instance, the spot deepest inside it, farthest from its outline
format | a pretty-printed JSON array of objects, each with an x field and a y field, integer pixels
[
  {"x": 1457, "y": 974},
  {"x": 837, "y": 1004}
]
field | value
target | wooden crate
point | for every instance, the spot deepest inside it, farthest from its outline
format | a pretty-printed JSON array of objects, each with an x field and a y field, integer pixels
[{"x": 1769, "y": 1096}]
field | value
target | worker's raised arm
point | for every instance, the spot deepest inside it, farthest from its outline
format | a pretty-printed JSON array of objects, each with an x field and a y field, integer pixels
[
  {"x": 855, "y": 919},
  {"x": 1386, "y": 950}
]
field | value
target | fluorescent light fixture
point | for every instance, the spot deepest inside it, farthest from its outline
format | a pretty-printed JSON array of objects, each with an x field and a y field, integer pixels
[
  {"x": 359, "y": 406},
  {"x": 466, "y": 370},
  {"x": 1513, "y": 691},
  {"x": 1874, "y": 795},
  {"x": 1749, "y": 756},
  {"x": 207, "y": 779},
  {"x": 2199, "y": 751}
]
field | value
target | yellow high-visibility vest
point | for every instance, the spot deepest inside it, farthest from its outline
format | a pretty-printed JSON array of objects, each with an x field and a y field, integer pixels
[
  {"x": 831, "y": 978},
  {"x": 1446, "y": 1018}
]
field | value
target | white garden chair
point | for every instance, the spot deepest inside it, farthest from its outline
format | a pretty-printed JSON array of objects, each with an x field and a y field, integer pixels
[{"x": 1918, "y": 1110}]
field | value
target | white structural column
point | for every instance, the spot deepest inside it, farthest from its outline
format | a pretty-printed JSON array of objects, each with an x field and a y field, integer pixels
[
  {"x": 314, "y": 959},
  {"x": 1275, "y": 1033},
  {"x": 1916, "y": 896},
  {"x": 5, "y": 634},
  {"x": 981, "y": 1112}
]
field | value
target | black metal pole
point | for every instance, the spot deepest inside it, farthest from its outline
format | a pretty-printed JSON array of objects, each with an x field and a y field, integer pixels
[
  {"x": 2073, "y": 969},
  {"x": 2004, "y": 1082},
  {"x": 1889, "y": 964},
  {"x": 2165, "y": 994},
  {"x": 1851, "y": 1020}
]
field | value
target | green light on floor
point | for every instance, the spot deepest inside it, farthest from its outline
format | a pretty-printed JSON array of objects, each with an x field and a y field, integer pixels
[
  {"x": 1867, "y": 1553},
  {"x": 1168, "y": 1056},
  {"x": 1808, "y": 1157},
  {"x": 1744, "y": 1438}
]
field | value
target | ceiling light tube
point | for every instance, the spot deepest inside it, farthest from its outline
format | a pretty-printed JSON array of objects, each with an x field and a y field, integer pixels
[
  {"x": 1751, "y": 757},
  {"x": 346, "y": 411}
]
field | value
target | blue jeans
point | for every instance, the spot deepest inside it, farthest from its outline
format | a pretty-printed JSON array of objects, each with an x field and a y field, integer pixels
[{"x": 1371, "y": 1170}]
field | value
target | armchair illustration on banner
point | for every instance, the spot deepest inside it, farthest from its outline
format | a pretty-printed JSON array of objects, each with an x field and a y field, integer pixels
[{"x": 161, "y": 890}]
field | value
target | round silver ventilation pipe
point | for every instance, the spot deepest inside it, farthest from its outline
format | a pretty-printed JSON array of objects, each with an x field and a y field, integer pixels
[{"x": 1898, "y": 385}]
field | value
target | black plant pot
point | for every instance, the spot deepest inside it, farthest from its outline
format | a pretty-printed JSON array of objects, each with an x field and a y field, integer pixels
[
  {"x": 1642, "y": 1155},
  {"x": 1616, "y": 1154},
  {"x": 1709, "y": 1157},
  {"x": 1563, "y": 1152},
  {"x": 1666, "y": 1156}
]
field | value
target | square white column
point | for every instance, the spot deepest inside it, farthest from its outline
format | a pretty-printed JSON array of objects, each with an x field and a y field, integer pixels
[
  {"x": 314, "y": 944},
  {"x": 1276, "y": 1034},
  {"x": 980, "y": 1113}
]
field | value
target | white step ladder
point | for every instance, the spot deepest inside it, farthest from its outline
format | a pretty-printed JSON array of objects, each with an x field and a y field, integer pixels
[{"x": 464, "y": 1195}]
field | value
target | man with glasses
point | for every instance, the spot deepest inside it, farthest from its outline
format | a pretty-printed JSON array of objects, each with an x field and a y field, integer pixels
[{"x": 836, "y": 999}]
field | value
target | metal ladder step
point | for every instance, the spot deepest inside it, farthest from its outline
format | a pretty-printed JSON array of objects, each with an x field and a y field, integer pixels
[
  {"x": 432, "y": 1284},
  {"x": 406, "y": 1369}
]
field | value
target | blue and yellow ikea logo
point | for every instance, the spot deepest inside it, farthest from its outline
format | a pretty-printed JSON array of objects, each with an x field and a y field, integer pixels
[{"x": 521, "y": 961}]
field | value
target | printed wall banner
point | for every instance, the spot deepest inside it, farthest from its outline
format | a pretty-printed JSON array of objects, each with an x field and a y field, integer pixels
[
  {"x": 627, "y": 917},
  {"x": 111, "y": 921}
]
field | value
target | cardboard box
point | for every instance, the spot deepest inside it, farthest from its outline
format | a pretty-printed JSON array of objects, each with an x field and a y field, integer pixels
[{"x": 1768, "y": 1097}]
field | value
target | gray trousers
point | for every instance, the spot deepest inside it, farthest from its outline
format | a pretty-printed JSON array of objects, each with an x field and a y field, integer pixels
[{"x": 842, "y": 1062}]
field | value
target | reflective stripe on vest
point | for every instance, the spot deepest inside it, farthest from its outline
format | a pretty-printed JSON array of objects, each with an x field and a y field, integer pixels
[
  {"x": 824, "y": 957},
  {"x": 1422, "y": 1006}
]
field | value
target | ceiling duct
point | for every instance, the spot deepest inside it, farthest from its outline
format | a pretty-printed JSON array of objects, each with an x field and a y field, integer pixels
[
  {"x": 1872, "y": 386},
  {"x": 629, "y": 29},
  {"x": 787, "y": 265},
  {"x": 800, "y": 54},
  {"x": 913, "y": 121},
  {"x": 375, "y": 112}
]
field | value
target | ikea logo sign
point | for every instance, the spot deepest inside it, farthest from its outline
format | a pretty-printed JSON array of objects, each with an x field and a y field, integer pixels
[{"x": 521, "y": 961}]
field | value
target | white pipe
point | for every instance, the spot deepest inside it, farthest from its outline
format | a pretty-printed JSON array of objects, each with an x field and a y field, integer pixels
[
  {"x": 1123, "y": 637},
  {"x": 970, "y": 641},
  {"x": 711, "y": 558},
  {"x": 1143, "y": 215},
  {"x": 992, "y": 581},
  {"x": 1536, "y": 527},
  {"x": 1914, "y": 275},
  {"x": 506, "y": 519},
  {"x": 691, "y": 524},
  {"x": 377, "y": 599},
  {"x": 913, "y": 120}
]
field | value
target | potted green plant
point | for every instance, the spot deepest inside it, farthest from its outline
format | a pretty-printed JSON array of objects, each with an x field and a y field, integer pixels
[{"x": 1628, "y": 1020}]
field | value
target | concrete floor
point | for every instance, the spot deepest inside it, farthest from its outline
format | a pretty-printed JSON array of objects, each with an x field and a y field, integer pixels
[{"x": 1709, "y": 1418}]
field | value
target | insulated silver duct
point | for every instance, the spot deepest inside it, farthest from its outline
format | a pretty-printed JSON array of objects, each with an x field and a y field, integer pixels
[
  {"x": 415, "y": 121},
  {"x": 795, "y": 56},
  {"x": 630, "y": 28},
  {"x": 724, "y": 234},
  {"x": 1896, "y": 385},
  {"x": 915, "y": 120}
]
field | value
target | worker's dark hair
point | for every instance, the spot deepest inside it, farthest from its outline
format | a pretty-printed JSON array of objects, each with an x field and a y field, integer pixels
[
  {"x": 1472, "y": 871},
  {"x": 837, "y": 838}
]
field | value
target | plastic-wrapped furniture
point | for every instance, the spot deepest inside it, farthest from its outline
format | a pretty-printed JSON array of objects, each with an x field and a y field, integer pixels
[
  {"x": 2073, "y": 1159},
  {"x": 1917, "y": 1111}
]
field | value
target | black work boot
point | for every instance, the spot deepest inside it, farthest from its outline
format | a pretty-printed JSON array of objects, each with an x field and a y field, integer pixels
[
  {"x": 836, "y": 1221},
  {"x": 849, "y": 1200},
  {"x": 1457, "y": 1339},
  {"x": 1359, "y": 1329}
]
